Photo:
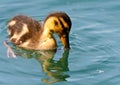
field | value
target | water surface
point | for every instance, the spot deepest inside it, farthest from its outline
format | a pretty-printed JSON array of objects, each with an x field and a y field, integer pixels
[{"x": 94, "y": 56}]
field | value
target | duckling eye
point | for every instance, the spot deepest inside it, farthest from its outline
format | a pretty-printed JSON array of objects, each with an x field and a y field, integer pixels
[{"x": 55, "y": 22}]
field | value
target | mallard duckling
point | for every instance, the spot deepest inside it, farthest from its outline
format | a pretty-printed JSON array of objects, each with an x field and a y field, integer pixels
[{"x": 28, "y": 33}]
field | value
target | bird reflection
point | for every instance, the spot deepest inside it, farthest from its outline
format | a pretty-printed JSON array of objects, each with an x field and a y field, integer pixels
[{"x": 56, "y": 70}]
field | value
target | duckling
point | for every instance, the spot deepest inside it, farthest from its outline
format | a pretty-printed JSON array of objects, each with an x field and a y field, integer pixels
[{"x": 28, "y": 33}]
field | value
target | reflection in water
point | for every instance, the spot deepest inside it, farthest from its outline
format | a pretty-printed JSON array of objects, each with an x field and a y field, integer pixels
[{"x": 54, "y": 69}]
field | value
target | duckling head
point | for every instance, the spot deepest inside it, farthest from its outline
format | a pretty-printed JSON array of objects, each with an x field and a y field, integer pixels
[{"x": 60, "y": 23}]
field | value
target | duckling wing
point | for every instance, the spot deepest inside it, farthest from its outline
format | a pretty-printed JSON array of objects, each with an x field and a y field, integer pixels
[
  {"x": 18, "y": 21},
  {"x": 22, "y": 28}
]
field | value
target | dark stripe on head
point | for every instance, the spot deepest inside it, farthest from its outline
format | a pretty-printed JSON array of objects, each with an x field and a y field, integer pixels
[
  {"x": 64, "y": 30},
  {"x": 62, "y": 15}
]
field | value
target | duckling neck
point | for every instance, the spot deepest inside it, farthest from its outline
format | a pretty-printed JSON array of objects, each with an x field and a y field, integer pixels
[
  {"x": 47, "y": 40},
  {"x": 46, "y": 34}
]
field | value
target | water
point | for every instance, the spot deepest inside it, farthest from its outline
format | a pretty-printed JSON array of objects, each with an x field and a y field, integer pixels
[{"x": 94, "y": 57}]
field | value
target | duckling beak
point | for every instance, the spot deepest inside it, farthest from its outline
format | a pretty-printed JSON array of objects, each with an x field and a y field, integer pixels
[{"x": 65, "y": 41}]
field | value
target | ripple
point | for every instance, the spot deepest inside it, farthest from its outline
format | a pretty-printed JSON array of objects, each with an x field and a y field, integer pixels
[
  {"x": 94, "y": 39},
  {"x": 114, "y": 80}
]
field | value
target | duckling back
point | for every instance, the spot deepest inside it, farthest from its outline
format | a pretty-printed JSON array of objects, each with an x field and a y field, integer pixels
[{"x": 24, "y": 30}]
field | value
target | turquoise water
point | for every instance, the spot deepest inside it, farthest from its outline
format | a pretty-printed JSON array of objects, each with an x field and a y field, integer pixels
[{"x": 94, "y": 56}]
